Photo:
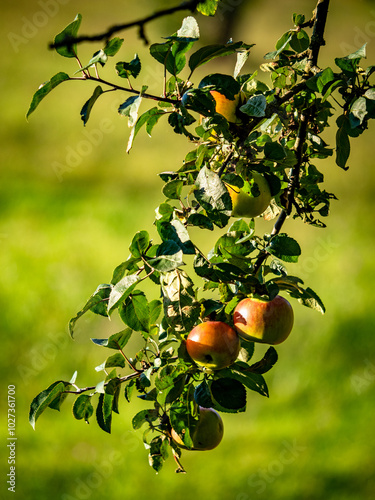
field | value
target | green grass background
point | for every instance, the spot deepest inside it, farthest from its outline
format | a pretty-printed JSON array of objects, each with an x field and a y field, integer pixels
[{"x": 61, "y": 237}]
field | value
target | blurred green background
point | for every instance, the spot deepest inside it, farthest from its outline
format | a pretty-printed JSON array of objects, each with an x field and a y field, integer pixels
[{"x": 62, "y": 233}]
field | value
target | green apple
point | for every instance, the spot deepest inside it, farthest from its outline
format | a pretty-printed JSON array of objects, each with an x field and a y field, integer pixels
[
  {"x": 213, "y": 344},
  {"x": 206, "y": 434},
  {"x": 244, "y": 204},
  {"x": 269, "y": 322}
]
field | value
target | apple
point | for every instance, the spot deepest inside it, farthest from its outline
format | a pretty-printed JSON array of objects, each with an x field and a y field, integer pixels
[
  {"x": 206, "y": 434},
  {"x": 213, "y": 344},
  {"x": 227, "y": 107},
  {"x": 269, "y": 322},
  {"x": 244, "y": 203}
]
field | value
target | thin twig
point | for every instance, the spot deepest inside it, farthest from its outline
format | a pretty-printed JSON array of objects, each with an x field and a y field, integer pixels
[
  {"x": 69, "y": 41},
  {"x": 121, "y": 380}
]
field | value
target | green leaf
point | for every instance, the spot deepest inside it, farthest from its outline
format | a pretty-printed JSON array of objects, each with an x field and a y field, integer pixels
[
  {"x": 103, "y": 417},
  {"x": 130, "y": 108},
  {"x": 177, "y": 232},
  {"x": 208, "y": 7},
  {"x": 359, "y": 109},
  {"x": 150, "y": 118},
  {"x": 242, "y": 57},
  {"x": 143, "y": 417},
  {"x": 171, "y": 54},
  {"x": 168, "y": 257},
  {"x": 43, "y": 400},
  {"x": 326, "y": 77},
  {"x": 342, "y": 142},
  {"x": 201, "y": 221},
  {"x": 130, "y": 266},
  {"x": 87, "y": 107},
  {"x": 209, "y": 52},
  {"x": 298, "y": 19},
  {"x": 113, "y": 46},
  {"x": 312, "y": 300},
  {"x": 107, "y": 404},
  {"x": 225, "y": 84},
  {"x": 370, "y": 94},
  {"x": 306, "y": 296},
  {"x": 284, "y": 248},
  {"x": 97, "y": 299},
  {"x": 274, "y": 151},
  {"x": 98, "y": 57},
  {"x": 253, "y": 381},
  {"x": 358, "y": 54},
  {"x": 170, "y": 383},
  {"x": 121, "y": 290},
  {"x": 200, "y": 101},
  {"x": 155, "y": 310},
  {"x": 281, "y": 45},
  {"x": 213, "y": 196},
  {"x": 255, "y": 106},
  {"x": 350, "y": 63},
  {"x": 202, "y": 395},
  {"x": 158, "y": 452},
  {"x": 133, "y": 68},
  {"x": 228, "y": 395},
  {"x": 300, "y": 41},
  {"x": 116, "y": 360},
  {"x": 66, "y": 36},
  {"x": 135, "y": 312},
  {"x": 247, "y": 351},
  {"x": 266, "y": 363},
  {"x": 45, "y": 89},
  {"x": 167, "y": 376},
  {"x": 183, "y": 422},
  {"x": 189, "y": 31},
  {"x": 115, "y": 341},
  {"x": 58, "y": 401},
  {"x": 82, "y": 407},
  {"x": 172, "y": 189},
  {"x": 139, "y": 244},
  {"x": 180, "y": 305}
]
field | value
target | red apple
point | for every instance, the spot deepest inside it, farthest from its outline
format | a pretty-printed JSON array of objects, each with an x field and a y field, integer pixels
[
  {"x": 269, "y": 322},
  {"x": 213, "y": 344},
  {"x": 206, "y": 434},
  {"x": 244, "y": 204}
]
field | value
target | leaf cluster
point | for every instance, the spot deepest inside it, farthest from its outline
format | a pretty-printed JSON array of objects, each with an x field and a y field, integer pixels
[{"x": 278, "y": 133}]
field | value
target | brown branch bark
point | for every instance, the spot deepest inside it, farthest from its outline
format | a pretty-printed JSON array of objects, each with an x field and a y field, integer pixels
[{"x": 140, "y": 23}]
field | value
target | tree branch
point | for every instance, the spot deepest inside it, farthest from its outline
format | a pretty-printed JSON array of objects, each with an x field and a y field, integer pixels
[
  {"x": 317, "y": 41},
  {"x": 92, "y": 388},
  {"x": 133, "y": 91},
  {"x": 69, "y": 41}
]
